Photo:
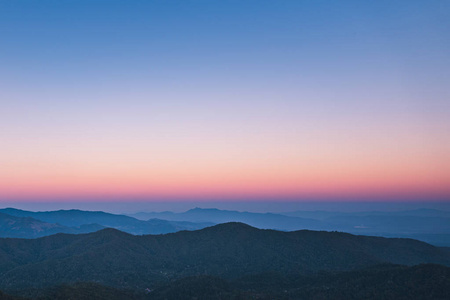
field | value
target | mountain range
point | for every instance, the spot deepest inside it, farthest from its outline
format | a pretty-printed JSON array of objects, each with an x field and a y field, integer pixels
[
  {"x": 230, "y": 250},
  {"x": 259, "y": 220},
  {"x": 429, "y": 225},
  {"x": 27, "y": 227},
  {"x": 28, "y": 224}
]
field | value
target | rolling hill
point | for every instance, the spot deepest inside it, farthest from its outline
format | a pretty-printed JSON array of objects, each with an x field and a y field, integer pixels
[{"x": 231, "y": 250}]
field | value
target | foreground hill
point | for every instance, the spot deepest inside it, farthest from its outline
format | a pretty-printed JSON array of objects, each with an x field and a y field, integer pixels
[
  {"x": 380, "y": 282},
  {"x": 231, "y": 250},
  {"x": 384, "y": 282},
  {"x": 79, "y": 221}
]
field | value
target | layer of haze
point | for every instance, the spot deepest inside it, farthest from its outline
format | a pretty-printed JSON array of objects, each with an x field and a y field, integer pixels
[{"x": 224, "y": 100}]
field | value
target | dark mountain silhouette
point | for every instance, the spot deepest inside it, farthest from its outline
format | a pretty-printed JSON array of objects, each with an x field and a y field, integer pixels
[
  {"x": 231, "y": 250},
  {"x": 82, "y": 220}
]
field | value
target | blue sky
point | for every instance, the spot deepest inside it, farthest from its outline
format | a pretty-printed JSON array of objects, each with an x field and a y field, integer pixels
[{"x": 302, "y": 91}]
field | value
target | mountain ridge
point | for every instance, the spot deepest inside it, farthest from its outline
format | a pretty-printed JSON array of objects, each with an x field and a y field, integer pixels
[
  {"x": 115, "y": 258},
  {"x": 80, "y": 221},
  {"x": 429, "y": 225}
]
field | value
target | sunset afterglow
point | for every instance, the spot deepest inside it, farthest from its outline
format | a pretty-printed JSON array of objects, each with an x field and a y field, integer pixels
[{"x": 136, "y": 100}]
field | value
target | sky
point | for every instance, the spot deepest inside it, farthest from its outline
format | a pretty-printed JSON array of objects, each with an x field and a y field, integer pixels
[{"x": 224, "y": 100}]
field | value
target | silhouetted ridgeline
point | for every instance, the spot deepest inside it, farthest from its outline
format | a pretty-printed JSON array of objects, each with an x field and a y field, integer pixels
[
  {"x": 229, "y": 251},
  {"x": 428, "y": 225},
  {"x": 27, "y": 224}
]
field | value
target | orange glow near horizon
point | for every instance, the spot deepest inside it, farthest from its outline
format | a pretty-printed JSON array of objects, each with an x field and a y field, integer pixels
[
  {"x": 215, "y": 172},
  {"x": 232, "y": 181}
]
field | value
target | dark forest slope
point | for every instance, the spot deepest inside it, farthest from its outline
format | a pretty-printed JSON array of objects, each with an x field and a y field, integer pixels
[{"x": 229, "y": 250}]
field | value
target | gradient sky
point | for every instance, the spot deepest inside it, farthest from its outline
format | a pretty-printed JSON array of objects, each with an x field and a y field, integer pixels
[{"x": 224, "y": 100}]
